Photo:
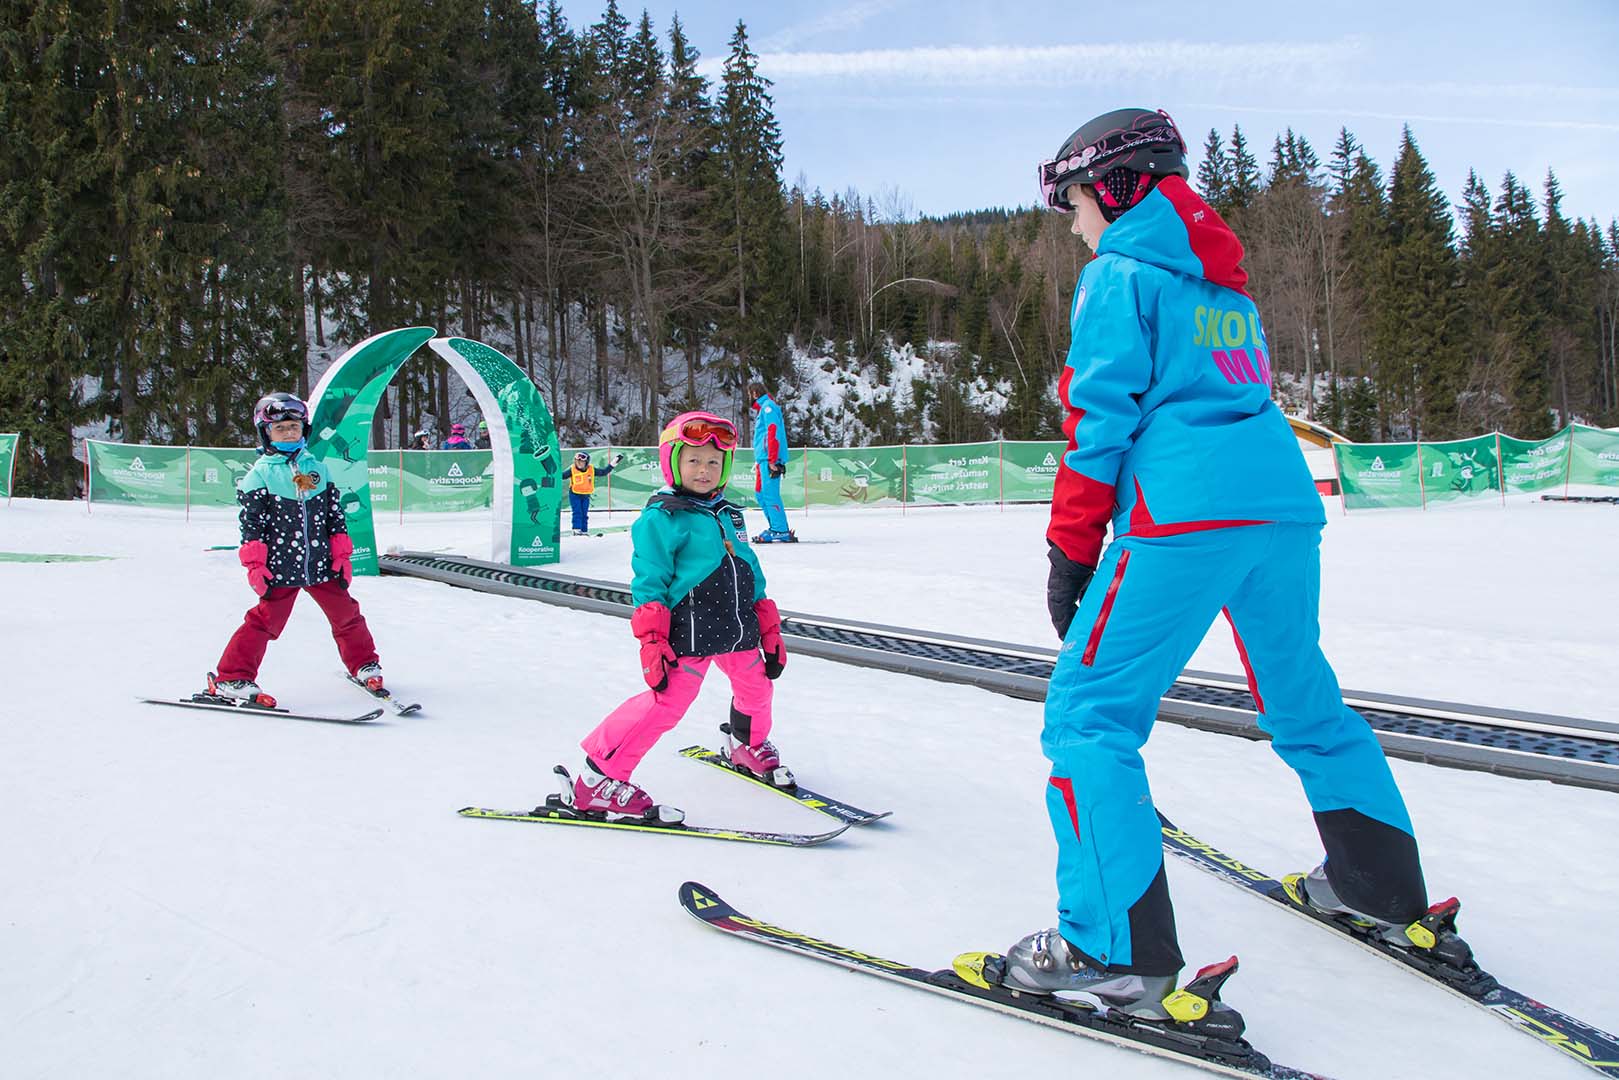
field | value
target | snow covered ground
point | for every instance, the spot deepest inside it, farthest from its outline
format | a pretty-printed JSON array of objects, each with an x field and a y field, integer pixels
[{"x": 196, "y": 895}]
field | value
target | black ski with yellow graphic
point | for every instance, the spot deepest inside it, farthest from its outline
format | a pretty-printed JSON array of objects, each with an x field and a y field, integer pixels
[
  {"x": 813, "y": 800},
  {"x": 1585, "y": 1043},
  {"x": 1222, "y": 1054}
]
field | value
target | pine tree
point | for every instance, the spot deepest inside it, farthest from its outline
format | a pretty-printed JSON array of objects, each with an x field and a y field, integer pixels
[
  {"x": 748, "y": 179},
  {"x": 1569, "y": 295},
  {"x": 1421, "y": 369},
  {"x": 51, "y": 237},
  {"x": 1213, "y": 178},
  {"x": 1342, "y": 164},
  {"x": 1242, "y": 171}
]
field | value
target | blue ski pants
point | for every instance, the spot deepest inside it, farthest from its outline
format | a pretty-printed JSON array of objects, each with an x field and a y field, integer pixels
[
  {"x": 770, "y": 500},
  {"x": 580, "y": 504},
  {"x": 1146, "y": 610}
]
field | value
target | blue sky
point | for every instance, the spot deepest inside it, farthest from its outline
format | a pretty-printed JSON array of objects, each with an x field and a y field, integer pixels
[{"x": 951, "y": 104}]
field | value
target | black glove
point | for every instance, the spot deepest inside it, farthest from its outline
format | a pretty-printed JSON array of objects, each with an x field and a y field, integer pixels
[
  {"x": 778, "y": 469},
  {"x": 1065, "y": 586}
]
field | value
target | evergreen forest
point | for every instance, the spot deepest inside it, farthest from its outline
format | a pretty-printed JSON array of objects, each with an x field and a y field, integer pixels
[{"x": 201, "y": 199}]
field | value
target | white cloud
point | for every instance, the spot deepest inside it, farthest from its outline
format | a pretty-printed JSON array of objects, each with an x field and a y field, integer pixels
[
  {"x": 1066, "y": 65},
  {"x": 851, "y": 17},
  {"x": 1553, "y": 123}
]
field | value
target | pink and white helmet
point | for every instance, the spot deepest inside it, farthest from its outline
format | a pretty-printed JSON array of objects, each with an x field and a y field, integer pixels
[{"x": 695, "y": 429}]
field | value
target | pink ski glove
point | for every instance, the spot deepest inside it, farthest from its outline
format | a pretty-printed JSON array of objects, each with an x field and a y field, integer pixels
[
  {"x": 770, "y": 637},
  {"x": 342, "y": 555},
  {"x": 650, "y": 624},
  {"x": 256, "y": 557}
]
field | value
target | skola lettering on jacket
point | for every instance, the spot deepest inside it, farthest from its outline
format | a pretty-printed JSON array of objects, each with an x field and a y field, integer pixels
[{"x": 1236, "y": 344}]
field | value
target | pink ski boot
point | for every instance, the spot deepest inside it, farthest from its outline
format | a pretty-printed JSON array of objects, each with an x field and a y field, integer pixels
[
  {"x": 616, "y": 800},
  {"x": 762, "y": 762}
]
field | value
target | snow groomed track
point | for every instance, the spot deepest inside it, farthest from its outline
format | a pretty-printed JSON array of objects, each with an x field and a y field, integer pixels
[{"x": 1565, "y": 750}]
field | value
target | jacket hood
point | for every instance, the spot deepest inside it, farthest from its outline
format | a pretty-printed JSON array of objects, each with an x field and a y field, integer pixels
[{"x": 1175, "y": 229}]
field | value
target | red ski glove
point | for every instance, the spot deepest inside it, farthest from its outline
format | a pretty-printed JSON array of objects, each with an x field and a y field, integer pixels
[
  {"x": 342, "y": 557},
  {"x": 770, "y": 637},
  {"x": 256, "y": 557},
  {"x": 650, "y": 624}
]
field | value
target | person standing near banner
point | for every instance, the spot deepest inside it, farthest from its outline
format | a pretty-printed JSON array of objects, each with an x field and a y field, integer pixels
[
  {"x": 770, "y": 465},
  {"x": 580, "y": 481},
  {"x": 1174, "y": 437},
  {"x": 457, "y": 439}
]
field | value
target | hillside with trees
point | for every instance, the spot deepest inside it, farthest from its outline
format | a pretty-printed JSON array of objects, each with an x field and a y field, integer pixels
[{"x": 200, "y": 202}]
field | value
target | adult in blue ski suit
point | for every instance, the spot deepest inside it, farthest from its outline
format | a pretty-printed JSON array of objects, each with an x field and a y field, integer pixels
[
  {"x": 1173, "y": 436},
  {"x": 770, "y": 461}
]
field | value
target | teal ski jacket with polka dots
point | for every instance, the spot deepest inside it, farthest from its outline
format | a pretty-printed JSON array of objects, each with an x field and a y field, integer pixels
[
  {"x": 692, "y": 556},
  {"x": 292, "y": 505}
]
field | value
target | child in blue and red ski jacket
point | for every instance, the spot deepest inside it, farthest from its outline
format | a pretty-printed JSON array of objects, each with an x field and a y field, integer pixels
[{"x": 1174, "y": 438}]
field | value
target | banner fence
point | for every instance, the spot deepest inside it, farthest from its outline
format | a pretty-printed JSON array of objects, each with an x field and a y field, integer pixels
[
  {"x": 8, "y": 463},
  {"x": 1410, "y": 475},
  {"x": 1371, "y": 475}
]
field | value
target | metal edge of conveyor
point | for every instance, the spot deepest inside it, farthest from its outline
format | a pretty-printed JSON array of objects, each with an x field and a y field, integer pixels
[{"x": 1217, "y": 719}]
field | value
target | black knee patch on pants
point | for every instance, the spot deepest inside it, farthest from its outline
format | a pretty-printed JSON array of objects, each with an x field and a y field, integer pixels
[
  {"x": 1373, "y": 867},
  {"x": 741, "y": 726},
  {"x": 1154, "y": 947}
]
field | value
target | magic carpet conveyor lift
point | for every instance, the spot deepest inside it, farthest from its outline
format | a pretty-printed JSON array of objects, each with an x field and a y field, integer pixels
[{"x": 1563, "y": 750}]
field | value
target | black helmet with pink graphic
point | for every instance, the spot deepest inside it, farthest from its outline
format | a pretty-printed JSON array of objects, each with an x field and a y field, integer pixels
[{"x": 1143, "y": 142}]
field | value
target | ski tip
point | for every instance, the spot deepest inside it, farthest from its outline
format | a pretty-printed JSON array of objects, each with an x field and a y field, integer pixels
[
  {"x": 704, "y": 902},
  {"x": 970, "y": 966},
  {"x": 821, "y": 838}
]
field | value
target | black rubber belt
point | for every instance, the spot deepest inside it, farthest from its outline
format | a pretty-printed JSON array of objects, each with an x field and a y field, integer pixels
[{"x": 1565, "y": 750}]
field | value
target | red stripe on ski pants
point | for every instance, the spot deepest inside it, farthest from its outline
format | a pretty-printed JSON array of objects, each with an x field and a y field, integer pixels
[
  {"x": 264, "y": 623},
  {"x": 620, "y": 742}
]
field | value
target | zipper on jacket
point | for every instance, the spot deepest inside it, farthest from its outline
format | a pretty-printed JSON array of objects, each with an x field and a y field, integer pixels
[
  {"x": 736, "y": 585},
  {"x": 303, "y": 518}
]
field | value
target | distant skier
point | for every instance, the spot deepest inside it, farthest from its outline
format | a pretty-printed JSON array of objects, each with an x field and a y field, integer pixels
[
  {"x": 482, "y": 441},
  {"x": 580, "y": 481},
  {"x": 1173, "y": 434},
  {"x": 457, "y": 439},
  {"x": 420, "y": 440},
  {"x": 699, "y": 600},
  {"x": 770, "y": 465},
  {"x": 294, "y": 537}
]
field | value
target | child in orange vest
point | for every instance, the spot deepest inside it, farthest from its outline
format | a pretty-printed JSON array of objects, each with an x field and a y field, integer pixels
[{"x": 580, "y": 480}]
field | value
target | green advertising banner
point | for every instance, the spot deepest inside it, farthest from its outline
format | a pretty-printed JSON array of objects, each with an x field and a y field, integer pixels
[
  {"x": 968, "y": 472},
  {"x": 1596, "y": 457},
  {"x": 382, "y": 469},
  {"x": 1461, "y": 469},
  {"x": 1379, "y": 475},
  {"x": 8, "y": 462},
  {"x": 448, "y": 480},
  {"x": 867, "y": 476},
  {"x": 526, "y": 488},
  {"x": 1534, "y": 466},
  {"x": 632, "y": 481},
  {"x": 136, "y": 475},
  {"x": 1029, "y": 470},
  {"x": 214, "y": 472}
]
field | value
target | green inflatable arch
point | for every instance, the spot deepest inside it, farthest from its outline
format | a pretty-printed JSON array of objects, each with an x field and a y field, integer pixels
[{"x": 526, "y": 528}]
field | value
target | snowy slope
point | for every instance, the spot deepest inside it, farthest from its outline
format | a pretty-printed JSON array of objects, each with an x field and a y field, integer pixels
[{"x": 192, "y": 895}]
